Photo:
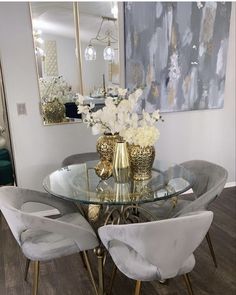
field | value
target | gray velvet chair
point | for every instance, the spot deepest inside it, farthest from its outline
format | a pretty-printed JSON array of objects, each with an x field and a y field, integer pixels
[
  {"x": 80, "y": 158},
  {"x": 42, "y": 238},
  {"x": 209, "y": 183},
  {"x": 156, "y": 250}
]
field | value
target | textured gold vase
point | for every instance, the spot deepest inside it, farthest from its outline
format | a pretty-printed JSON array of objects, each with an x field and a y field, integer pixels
[
  {"x": 121, "y": 166},
  {"x": 105, "y": 146},
  {"x": 141, "y": 161},
  {"x": 53, "y": 111},
  {"x": 103, "y": 169}
]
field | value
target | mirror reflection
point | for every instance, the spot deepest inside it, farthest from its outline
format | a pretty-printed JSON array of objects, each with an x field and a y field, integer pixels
[
  {"x": 57, "y": 64},
  {"x": 99, "y": 49},
  {"x": 77, "y": 51}
]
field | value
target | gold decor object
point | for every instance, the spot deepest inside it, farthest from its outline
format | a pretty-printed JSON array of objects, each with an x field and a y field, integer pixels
[
  {"x": 103, "y": 169},
  {"x": 106, "y": 144},
  {"x": 141, "y": 161},
  {"x": 121, "y": 166},
  {"x": 93, "y": 212},
  {"x": 53, "y": 111}
]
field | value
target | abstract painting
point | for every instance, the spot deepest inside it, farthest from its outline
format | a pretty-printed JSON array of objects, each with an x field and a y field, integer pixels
[{"x": 177, "y": 53}]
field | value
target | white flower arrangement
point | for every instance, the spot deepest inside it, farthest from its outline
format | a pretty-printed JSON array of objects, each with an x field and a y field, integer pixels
[
  {"x": 55, "y": 88},
  {"x": 119, "y": 116}
]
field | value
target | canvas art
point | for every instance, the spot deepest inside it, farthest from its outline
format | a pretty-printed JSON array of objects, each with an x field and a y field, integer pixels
[{"x": 177, "y": 52}]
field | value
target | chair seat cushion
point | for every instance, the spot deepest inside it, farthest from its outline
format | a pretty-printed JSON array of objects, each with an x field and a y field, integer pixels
[
  {"x": 42, "y": 245},
  {"x": 165, "y": 210},
  {"x": 138, "y": 268}
]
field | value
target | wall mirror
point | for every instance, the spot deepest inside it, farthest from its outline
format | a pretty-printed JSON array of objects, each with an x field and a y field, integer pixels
[
  {"x": 58, "y": 64},
  {"x": 77, "y": 51},
  {"x": 99, "y": 40}
]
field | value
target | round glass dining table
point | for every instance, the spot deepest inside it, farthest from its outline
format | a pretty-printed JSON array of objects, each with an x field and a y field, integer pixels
[
  {"x": 79, "y": 183},
  {"x": 115, "y": 202}
]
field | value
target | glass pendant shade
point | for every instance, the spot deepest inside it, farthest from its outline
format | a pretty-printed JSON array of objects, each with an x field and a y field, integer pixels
[
  {"x": 109, "y": 53},
  {"x": 90, "y": 53}
]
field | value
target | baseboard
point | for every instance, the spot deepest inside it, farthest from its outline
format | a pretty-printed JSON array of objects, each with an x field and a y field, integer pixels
[{"x": 230, "y": 184}]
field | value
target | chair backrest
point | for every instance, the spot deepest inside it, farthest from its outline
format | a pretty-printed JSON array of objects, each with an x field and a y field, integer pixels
[
  {"x": 210, "y": 180},
  {"x": 166, "y": 244},
  {"x": 11, "y": 202},
  {"x": 80, "y": 158}
]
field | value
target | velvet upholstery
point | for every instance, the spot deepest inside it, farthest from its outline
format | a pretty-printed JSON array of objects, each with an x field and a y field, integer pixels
[
  {"x": 209, "y": 182},
  {"x": 80, "y": 158},
  {"x": 156, "y": 250},
  {"x": 43, "y": 238}
]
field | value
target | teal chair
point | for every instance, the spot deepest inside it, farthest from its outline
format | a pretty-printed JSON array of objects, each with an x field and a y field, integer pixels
[
  {"x": 6, "y": 171},
  {"x": 4, "y": 155}
]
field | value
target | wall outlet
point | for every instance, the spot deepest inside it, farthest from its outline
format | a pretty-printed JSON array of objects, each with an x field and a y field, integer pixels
[{"x": 21, "y": 109}]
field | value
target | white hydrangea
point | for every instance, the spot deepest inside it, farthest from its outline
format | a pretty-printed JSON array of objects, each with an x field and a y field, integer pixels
[{"x": 143, "y": 136}]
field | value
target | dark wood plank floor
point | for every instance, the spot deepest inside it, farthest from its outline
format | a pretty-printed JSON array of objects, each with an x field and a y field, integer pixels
[{"x": 67, "y": 276}]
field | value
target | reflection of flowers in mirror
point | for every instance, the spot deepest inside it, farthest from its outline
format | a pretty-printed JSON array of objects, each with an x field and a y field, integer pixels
[
  {"x": 119, "y": 116},
  {"x": 38, "y": 42},
  {"x": 2, "y": 130},
  {"x": 56, "y": 88}
]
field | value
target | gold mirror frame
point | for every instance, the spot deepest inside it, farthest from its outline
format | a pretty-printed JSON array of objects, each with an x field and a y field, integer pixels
[{"x": 8, "y": 136}]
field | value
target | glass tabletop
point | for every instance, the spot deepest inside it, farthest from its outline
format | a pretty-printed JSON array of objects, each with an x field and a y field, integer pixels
[{"x": 80, "y": 183}]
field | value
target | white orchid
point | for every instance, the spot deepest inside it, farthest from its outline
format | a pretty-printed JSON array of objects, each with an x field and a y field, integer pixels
[
  {"x": 80, "y": 99},
  {"x": 118, "y": 116}
]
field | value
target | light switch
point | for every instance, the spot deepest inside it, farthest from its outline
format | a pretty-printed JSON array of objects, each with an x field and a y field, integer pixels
[{"x": 21, "y": 109}]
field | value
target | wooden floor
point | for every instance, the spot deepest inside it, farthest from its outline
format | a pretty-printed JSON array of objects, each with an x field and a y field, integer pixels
[{"x": 68, "y": 276}]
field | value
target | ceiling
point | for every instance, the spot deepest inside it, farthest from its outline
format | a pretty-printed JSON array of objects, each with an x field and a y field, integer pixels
[{"x": 57, "y": 18}]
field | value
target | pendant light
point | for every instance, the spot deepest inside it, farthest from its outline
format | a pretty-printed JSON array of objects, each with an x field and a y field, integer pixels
[
  {"x": 108, "y": 37},
  {"x": 90, "y": 53},
  {"x": 109, "y": 52}
]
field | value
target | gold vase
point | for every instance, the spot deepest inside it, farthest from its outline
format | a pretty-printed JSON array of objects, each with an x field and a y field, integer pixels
[
  {"x": 105, "y": 148},
  {"x": 141, "y": 161},
  {"x": 106, "y": 144},
  {"x": 103, "y": 169},
  {"x": 121, "y": 166},
  {"x": 53, "y": 111}
]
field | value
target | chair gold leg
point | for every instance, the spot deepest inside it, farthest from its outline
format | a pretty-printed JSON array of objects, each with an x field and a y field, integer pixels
[
  {"x": 99, "y": 252},
  {"x": 113, "y": 274},
  {"x": 164, "y": 282},
  {"x": 88, "y": 266},
  {"x": 208, "y": 238},
  {"x": 27, "y": 264},
  {"x": 36, "y": 277},
  {"x": 137, "y": 288},
  {"x": 188, "y": 284}
]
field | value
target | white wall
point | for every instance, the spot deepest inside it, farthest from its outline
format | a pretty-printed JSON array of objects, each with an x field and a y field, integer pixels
[{"x": 39, "y": 150}]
